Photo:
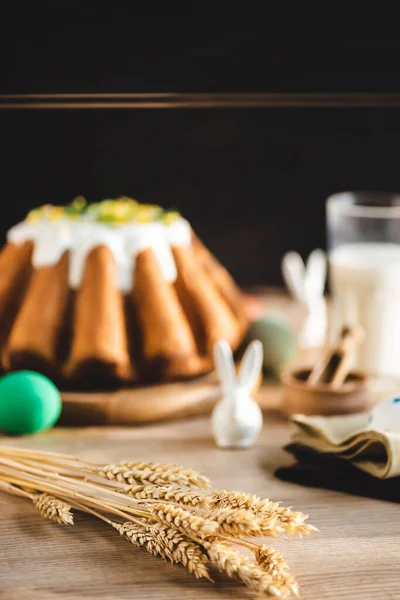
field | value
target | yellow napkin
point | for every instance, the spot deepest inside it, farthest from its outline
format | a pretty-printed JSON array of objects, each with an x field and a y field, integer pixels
[{"x": 348, "y": 437}]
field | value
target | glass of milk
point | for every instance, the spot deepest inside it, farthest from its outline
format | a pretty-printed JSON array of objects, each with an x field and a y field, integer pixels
[{"x": 364, "y": 257}]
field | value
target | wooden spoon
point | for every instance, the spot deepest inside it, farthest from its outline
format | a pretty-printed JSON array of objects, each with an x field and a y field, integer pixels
[{"x": 334, "y": 365}]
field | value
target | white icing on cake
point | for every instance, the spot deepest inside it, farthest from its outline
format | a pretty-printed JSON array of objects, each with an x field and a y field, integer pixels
[{"x": 51, "y": 238}]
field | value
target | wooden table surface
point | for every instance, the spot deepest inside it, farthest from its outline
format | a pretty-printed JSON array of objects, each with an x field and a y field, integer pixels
[{"x": 356, "y": 554}]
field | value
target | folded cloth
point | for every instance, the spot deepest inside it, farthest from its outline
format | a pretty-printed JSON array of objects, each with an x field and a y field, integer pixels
[
  {"x": 349, "y": 438},
  {"x": 329, "y": 472}
]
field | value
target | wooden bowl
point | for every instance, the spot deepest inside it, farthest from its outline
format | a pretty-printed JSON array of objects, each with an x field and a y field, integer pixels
[{"x": 300, "y": 397}]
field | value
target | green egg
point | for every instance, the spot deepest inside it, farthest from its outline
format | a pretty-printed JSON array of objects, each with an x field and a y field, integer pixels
[
  {"x": 278, "y": 339},
  {"x": 29, "y": 402}
]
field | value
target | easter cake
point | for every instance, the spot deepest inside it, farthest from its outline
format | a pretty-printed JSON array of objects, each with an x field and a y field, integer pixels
[{"x": 112, "y": 292}]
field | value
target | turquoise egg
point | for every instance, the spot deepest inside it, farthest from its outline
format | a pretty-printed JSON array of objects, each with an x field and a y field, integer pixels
[{"x": 29, "y": 402}]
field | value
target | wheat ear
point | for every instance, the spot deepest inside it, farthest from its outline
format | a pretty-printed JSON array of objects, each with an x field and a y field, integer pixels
[
  {"x": 234, "y": 522},
  {"x": 167, "y": 542},
  {"x": 133, "y": 475},
  {"x": 188, "y": 523},
  {"x": 54, "y": 509},
  {"x": 192, "y": 477},
  {"x": 274, "y": 563},
  {"x": 158, "y": 511},
  {"x": 235, "y": 564},
  {"x": 167, "y": 493},
  {"x": 287, "y": 521}
]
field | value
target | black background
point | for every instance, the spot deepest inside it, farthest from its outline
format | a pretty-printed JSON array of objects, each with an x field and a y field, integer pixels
[{"x": 253, "y": 182}]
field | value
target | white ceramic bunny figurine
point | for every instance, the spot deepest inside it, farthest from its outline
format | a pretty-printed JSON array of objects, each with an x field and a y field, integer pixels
[
  {"x": 237, "y": 419},
  {"x": 306, "y": 282}
]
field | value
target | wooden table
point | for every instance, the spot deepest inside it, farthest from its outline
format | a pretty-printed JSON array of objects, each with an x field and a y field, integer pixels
[{"x": 355, "y": 556}]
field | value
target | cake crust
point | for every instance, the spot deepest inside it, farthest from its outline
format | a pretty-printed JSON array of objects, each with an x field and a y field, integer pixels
[{"x": 113, "y": 293}]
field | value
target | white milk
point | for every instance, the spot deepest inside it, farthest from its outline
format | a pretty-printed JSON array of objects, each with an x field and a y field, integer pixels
[{"x": 365, "y": 281}]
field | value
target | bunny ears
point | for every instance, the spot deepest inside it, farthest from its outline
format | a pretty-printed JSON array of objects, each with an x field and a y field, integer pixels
[
  {"x": 305, "y": 281},
  {"x": 250, "y": 366}
]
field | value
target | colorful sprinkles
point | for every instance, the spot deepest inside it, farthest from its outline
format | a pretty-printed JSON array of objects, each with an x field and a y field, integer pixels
[{"x": 118, "y": 211}]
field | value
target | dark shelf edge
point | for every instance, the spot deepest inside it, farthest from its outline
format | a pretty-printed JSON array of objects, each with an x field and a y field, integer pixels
[{"x": 199, "y": 100}]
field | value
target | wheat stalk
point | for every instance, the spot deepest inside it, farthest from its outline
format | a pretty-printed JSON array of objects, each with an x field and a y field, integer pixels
[
  {"x": 159, "y": 512},
  {"x": 169, "y": 472},
  {"x": 232, "y": 499},
  {"x": 274, "y": 563},
  {"x": 186, "y": 522},
  {"x": 235, "y": 564},
  {"x": 54, "y": 509},
  {"x": 234, "y": 522},
  {"x": 168, "y": 543},
  {"x": 134, "y": 476},
  {"x": 167, "y": 493},
  {"x": 270, "y": 560},
  {"x": 293, "y": 523}
]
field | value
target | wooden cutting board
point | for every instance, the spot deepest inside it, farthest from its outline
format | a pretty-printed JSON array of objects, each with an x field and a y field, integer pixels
[
  {"x": 141, "y": 404},
  {"x": 162, "y": 402},
  {"x": 166, "y": 401}
]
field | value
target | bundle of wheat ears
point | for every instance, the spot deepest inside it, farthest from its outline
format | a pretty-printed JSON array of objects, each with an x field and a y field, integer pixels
[{"x": 165, "y": 509}]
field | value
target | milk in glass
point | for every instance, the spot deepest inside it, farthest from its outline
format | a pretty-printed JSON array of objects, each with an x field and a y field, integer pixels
[{"x": 365, "y": 280}]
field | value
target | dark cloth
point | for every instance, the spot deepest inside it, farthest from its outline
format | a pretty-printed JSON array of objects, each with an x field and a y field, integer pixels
[{"x": 315, "y": 469}]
